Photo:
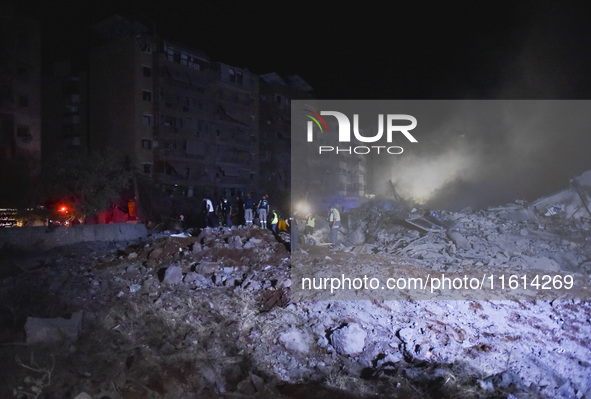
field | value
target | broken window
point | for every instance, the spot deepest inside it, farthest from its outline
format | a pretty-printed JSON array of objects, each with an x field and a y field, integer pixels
[{"x": 168, "y": 120}]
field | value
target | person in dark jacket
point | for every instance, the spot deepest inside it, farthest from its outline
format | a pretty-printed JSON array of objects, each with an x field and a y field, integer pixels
[
  {"x": 225, "y": 211},
  {"x": 238, "y": 211},
  {"x": 248, "y": 210}
]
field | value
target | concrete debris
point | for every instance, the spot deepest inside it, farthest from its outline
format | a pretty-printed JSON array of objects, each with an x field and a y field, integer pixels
[
  {"x": 295, "y": 340},
  {"x": 423, "y": 224},
  {"x": 173, "y": 275},
  {"x": 234, "y": 242},
  {"x": 349, "y": 340},
  {"x": 53, "y": 330},
  {"x": 574, "y": 202},
  {"x": 515, "y": 235}
]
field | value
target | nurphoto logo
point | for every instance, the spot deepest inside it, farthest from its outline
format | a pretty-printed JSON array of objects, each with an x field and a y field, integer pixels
[{"x": 395, "y": 124}]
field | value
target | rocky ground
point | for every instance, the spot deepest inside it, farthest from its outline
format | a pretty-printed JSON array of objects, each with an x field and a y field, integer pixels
[{"x": 214, "y": 314}]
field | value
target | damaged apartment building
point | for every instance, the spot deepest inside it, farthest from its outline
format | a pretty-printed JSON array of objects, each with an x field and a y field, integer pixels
[
  {"x": 20, "y": 107},
  {"x": 185, "y": 121},
  {"x": 188, "y": 124},
  {"x": 20, "y": 93}
]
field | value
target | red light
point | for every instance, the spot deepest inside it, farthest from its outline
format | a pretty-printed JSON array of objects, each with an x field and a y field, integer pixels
[{"x": 63, "y": 209}]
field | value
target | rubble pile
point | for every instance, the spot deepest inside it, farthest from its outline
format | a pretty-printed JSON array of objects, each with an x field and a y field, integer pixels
[
  {"x": 550, "y": 234},
  {"x": 157, "y": 318},
  {"x": 514, "y": 235},
  {"x": 212, "y": 313}
]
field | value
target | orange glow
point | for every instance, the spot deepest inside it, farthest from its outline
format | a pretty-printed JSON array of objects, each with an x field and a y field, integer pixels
[{"x": 63, "y": 209}]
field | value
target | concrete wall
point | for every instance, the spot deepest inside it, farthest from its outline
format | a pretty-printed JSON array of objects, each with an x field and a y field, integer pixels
[{"x": 42, "y": 238}]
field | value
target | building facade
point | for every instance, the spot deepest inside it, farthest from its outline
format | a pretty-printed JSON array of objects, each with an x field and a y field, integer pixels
[
  {"x": 20, "y": 86},
  {"x": 20, "y": 115},
  {"x": 64, "y": 109},
  {"x": 187, "y": 123}
]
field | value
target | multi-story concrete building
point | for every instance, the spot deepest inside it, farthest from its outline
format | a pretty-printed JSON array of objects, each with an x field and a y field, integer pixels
[
  {"x": 186, "y": 122},
  {"x": 20, "y": 86},
  {"x": 64, "y": 109},
  {"x": 20, "y": 116}
]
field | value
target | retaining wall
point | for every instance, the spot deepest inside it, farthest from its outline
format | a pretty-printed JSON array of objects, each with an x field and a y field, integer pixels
[{"x": 42, "y": 238}]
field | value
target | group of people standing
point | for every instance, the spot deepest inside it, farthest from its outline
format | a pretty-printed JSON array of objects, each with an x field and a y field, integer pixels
[
  {"x": 251, "y": 212},
  {"x": 247, "y": 212}
]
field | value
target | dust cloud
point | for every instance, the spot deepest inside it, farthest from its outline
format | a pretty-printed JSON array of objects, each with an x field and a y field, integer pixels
[{"x": 491, "y": 152}]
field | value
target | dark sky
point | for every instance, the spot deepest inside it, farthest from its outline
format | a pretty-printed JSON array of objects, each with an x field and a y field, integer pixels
[{"x": 371, "y": 50}]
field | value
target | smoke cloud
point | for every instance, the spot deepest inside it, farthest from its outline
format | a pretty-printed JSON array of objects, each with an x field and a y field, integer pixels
[{"x": 492, "y": 152}]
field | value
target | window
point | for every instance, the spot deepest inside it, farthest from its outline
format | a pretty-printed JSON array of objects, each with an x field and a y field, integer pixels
[
  {"x": 195, "y": 64},
  {"x": 146, "y": 144},
  {"x": 147, "y": 95},
  {"x": 173, "y": 55},
  {"x": 67, "y": 131},
  {"x": 147, "y": 168},
  {"x": 170, "y": 170},
  {"x": 147, "y": 120},
  {"x": 236, "y": 76},
  {"x": 23, "y": 101},
  {"x": 147, "y": 71},
  {"x": 168, "y": 120}
]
